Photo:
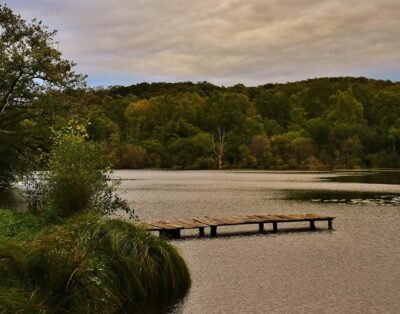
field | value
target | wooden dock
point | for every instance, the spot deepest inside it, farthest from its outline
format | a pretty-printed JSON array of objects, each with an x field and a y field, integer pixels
[{"x": 172, "y": 228}]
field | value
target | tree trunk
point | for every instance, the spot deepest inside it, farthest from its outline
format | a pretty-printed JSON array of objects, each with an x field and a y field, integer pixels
[{"x": 219, "y": 146}]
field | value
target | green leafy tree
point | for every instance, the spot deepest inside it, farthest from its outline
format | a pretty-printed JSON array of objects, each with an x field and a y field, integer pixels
[
  {"x": 319, "y": 128},
  {"x": 346, "y": 109},
  {"x": 351, "y": 151},
  {"x": 297, "y": 113},
  {"x": 247, "y": 159},
  {"x": 260, "y": 148},
  {"x": 30, "y": 65},
  {"x": 303, "y": 148},
  {"x": 191, "y": 152},
  {"x": 394, "y": 135}
]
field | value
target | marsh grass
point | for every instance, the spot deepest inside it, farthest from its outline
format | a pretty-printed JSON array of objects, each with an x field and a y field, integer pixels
[
  {"x": 20, "y": 225},
  {"x": 90, "y": 264}
]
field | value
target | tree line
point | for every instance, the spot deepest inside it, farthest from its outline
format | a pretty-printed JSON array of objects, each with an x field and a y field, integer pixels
[
  {"x": 318, "y": 124},
  {"x": 323, "y": 123}
]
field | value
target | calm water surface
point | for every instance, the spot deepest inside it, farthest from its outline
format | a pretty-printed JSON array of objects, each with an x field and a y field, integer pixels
[{"x": 354, "y": 269}]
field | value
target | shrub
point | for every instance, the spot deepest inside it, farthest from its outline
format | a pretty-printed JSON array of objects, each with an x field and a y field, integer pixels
[
  {"x": 90, "y": 264},
  {"x": 78, "y": 178}
]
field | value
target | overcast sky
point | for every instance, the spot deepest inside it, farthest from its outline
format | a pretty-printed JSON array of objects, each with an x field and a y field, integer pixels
[{"x": 223, "y": 41}]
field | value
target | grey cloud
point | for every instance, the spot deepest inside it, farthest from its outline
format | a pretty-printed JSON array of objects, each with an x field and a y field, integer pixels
[{"x": 224, "y": 41}]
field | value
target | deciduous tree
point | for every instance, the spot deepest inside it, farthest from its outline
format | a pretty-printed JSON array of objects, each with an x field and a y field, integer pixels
[{"x": 30, "y": 65}]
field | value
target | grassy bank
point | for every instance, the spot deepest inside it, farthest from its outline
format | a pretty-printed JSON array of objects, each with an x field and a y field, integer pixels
[
  {"x": 85, "y": 264},
  {"x": 17, "y": 225}
]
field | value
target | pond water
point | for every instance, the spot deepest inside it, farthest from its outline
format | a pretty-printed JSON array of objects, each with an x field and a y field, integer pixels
[
  {"x": 353, "y": 269},
  {"x": 11, "y": 199}
]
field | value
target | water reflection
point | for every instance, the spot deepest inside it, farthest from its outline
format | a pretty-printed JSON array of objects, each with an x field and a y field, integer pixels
[
  {"x": 346, "y": 197},
  {"x": 375, "y": 177},
  {"x": 12, "y": 199}
]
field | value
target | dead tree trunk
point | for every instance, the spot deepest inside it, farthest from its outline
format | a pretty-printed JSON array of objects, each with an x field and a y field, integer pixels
[{"x": 219, "y": 146}]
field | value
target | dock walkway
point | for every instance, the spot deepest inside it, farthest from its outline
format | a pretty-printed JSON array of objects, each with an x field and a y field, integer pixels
[{"x": 172, "y": 228}]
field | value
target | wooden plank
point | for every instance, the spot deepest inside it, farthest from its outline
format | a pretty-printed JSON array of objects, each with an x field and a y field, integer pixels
[
  {"x": 306, "y": 217},
  {"x": 314, "y": 216},
  {"x": 237, "y": 219},
  {"x": 207, "y": 221},
  {"x": 191, "y": 222},
  {"x": 176, "y": 222},
  {"x": 283, "y": 217},
  {"x": 246, "y": 219},
  {"x": 151, "y": 227},
  {"x": 319, "y": 217},
  {"x": 164, "y": 225},
  {"x": 225, "y": 220},
  {"x": 172, "y": 224},
  {"x": 296, "y": 217},
  {"x": 293, "y": 218},
  {"x": 255, "y": 218},
  {"x": 270, "y": 218},
  {"x": 161, "y": 226}
]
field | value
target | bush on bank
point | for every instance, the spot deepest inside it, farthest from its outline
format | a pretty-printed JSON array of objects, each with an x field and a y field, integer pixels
[
  {"x": 66, "y": 255},
  {"x": 89, "y": 264},
  {"x": 77, "y": 178}
]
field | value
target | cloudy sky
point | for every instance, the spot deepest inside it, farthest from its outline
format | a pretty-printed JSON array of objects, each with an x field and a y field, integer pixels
[{"x": 224, "y": 41}]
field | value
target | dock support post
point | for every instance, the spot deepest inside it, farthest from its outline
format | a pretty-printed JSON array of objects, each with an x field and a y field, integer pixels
[
  {"x": 213, "y": 231},
  {"x": 274, "y": 227},
  {"x": 312, "y": 224},
  {"x": 261, "y": 227},
  {"x": 330, "y": 226},
  {"x": 170, "y": 234},
  {"x": 201, "y": 232},
  {"x": 177, "y": 233}
]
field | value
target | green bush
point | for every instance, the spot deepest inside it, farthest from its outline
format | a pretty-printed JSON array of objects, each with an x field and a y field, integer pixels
[
  {"x": 85, "y": 263},
  {"x": 77, "y": 178},
  {"x": 92, "y": 265}
]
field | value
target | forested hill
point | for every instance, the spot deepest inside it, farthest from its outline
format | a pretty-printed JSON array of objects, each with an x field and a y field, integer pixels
[
  {"x": 145, "y": 90},
  {"x": 315, "y": 124}
]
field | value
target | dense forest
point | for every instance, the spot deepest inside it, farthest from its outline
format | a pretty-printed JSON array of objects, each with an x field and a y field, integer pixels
[{"x": 316, "y": 124}]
